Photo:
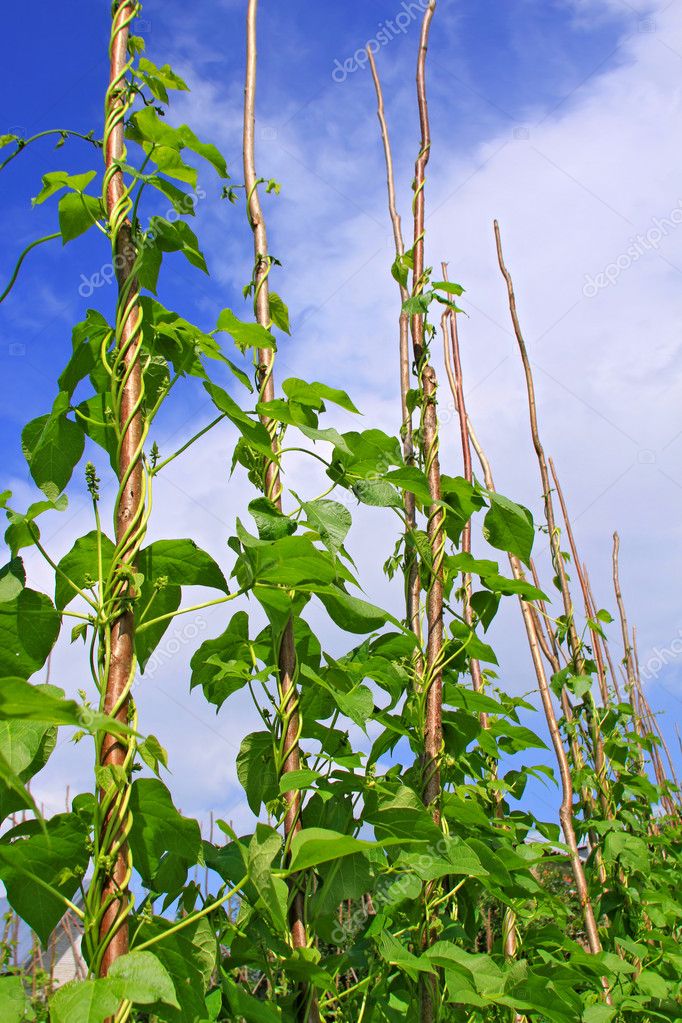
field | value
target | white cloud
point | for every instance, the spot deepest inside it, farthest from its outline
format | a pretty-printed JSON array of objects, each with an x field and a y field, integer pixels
[{"x": 589, "y": 177}]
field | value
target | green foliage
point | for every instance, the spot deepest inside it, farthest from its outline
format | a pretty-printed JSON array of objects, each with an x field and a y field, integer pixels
[{"x": 394, "y": 896}]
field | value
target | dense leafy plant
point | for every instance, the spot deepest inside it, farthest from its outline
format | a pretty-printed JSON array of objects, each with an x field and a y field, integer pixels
[{"x": 398, "y": 878}]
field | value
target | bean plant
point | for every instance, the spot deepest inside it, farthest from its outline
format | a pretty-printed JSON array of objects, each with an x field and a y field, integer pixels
[{"x": 393, "y": 870}]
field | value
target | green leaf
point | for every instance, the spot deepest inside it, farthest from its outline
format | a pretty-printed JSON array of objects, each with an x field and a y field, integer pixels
[
  {"x": 204, "y": 149},
  {"x": 20, "y": 699},
  {"x": 153, "y": 754},
  {"x": 84, "y": 1001},
  {"x": 313, "y": 846},
  {"x": 245, "y": 335},
  {"x": 87, "y": 339},
  {"x": 189, "y": 956},
  {"x": 412, "y": 480},
  {"x": 81, "y": 566},
  {"x": 166, "y": 566},
  {"x": 165, "y": 602},
  {"x": 224, "y": 665},
  {"x": 25, "y": 747},
  {"x": 256, "y": 770},
  {"x": 56, "y": 854},
  {"x": 141, "y": 978},
  {"x": 448, "y": 287},
  {"x": 159, "y": 830},
  {"x": 253, "y": 432},
  {"x": 377, "y": 494},
  {"x": 303, "y": 779},
  {"x": 182, "y": 562},
  {"x": 316, "y": 394},
  {"x": 14, "y": 1004},
  {"x": 629, "y": 850},
  {"x": 244, "y": 1006},
  {"x": 509, "y": 527},
  {"x": 78, "y": 213},
  {"x": 52, "y": 446},
  {"x": 396, "y": 954},
  {"x": 350, "y": 613},
  {"x": 56, "y": 180},
  {"x": 177, "y": 237},
  {"x": 271, "y": 523},
  {"x": 330, "y": 520},
  {"x": 499, "y": 584},
  {"x": 264, "y": 847},
  {"x": 279, "y": 313},
  {"x": 12, "y": 580},
  {"x": 29, "y": 626},
  {"x": 95, "y": 418}
]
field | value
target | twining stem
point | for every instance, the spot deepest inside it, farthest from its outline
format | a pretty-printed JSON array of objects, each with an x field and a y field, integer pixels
[
  {"x": 412, "y": 581},
  {"x": 601, "y": 671},
  {"x": 117, "y": 657},
  {"x": 289, "y": 716},
  {"x": 433, "y": 676},
  {"x": 65, "y": 133},
  {"x": 601, "y": 771},
  {"x": 453, "y": 369},
  {"x": 22, "y": 257}
]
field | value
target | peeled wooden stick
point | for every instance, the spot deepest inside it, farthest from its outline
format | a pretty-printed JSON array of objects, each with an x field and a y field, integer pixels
[
  {"x": 307, "y": 1010},
  {"x": 453, "y": 369},
  {"x": 412, "y": 582},
  {"x": 566, "y": 811}
]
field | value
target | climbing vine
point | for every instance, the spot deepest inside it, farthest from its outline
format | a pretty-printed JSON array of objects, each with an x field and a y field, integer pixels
[{"x": 393, "y": 869}]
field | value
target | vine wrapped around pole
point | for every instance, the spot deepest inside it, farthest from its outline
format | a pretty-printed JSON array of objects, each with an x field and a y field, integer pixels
[
  {"x": 116, "y": 659},
  {"x": 289, "y": 758}
]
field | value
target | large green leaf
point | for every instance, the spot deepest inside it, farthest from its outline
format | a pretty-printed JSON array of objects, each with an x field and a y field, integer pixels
[
  {"x": 245, "y": 335},
  {"x": 350, "y": 613},
  {"x": 81, "y": 566},
  {"x": 509, "y": 527},
  {"x": 14, "y": 1004},
  {"x": 38, "y": 869},
  {"x": 190, "y": 958},
  {"x": 87, "y": 338},
  {"x": 256, "y": 769},
  {"x": 20, "y": 700},
  {"x": 166, "y": 566},
  {"x": 182, "y": 562},
  {"x": 84, "y": 1001},
  {"x": 140, "y": 977},
  {"x": 314, "y": 846},
  {"x": 222, "y": 666},
  {"x": 25, "y": 747},
  {"x": 159, "y": 830},
  {"x": 29, "y": 626},
  {"x": 330, "y": 520},
  {"x": 316, "y": 394},
  {"x": 52, "y": 446},
  {"x": 264, "y": 848},
  {"x": 77, "y": 214}
]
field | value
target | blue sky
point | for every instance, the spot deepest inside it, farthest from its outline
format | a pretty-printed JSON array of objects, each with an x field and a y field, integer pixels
[{"x": 561, "y": 118}]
